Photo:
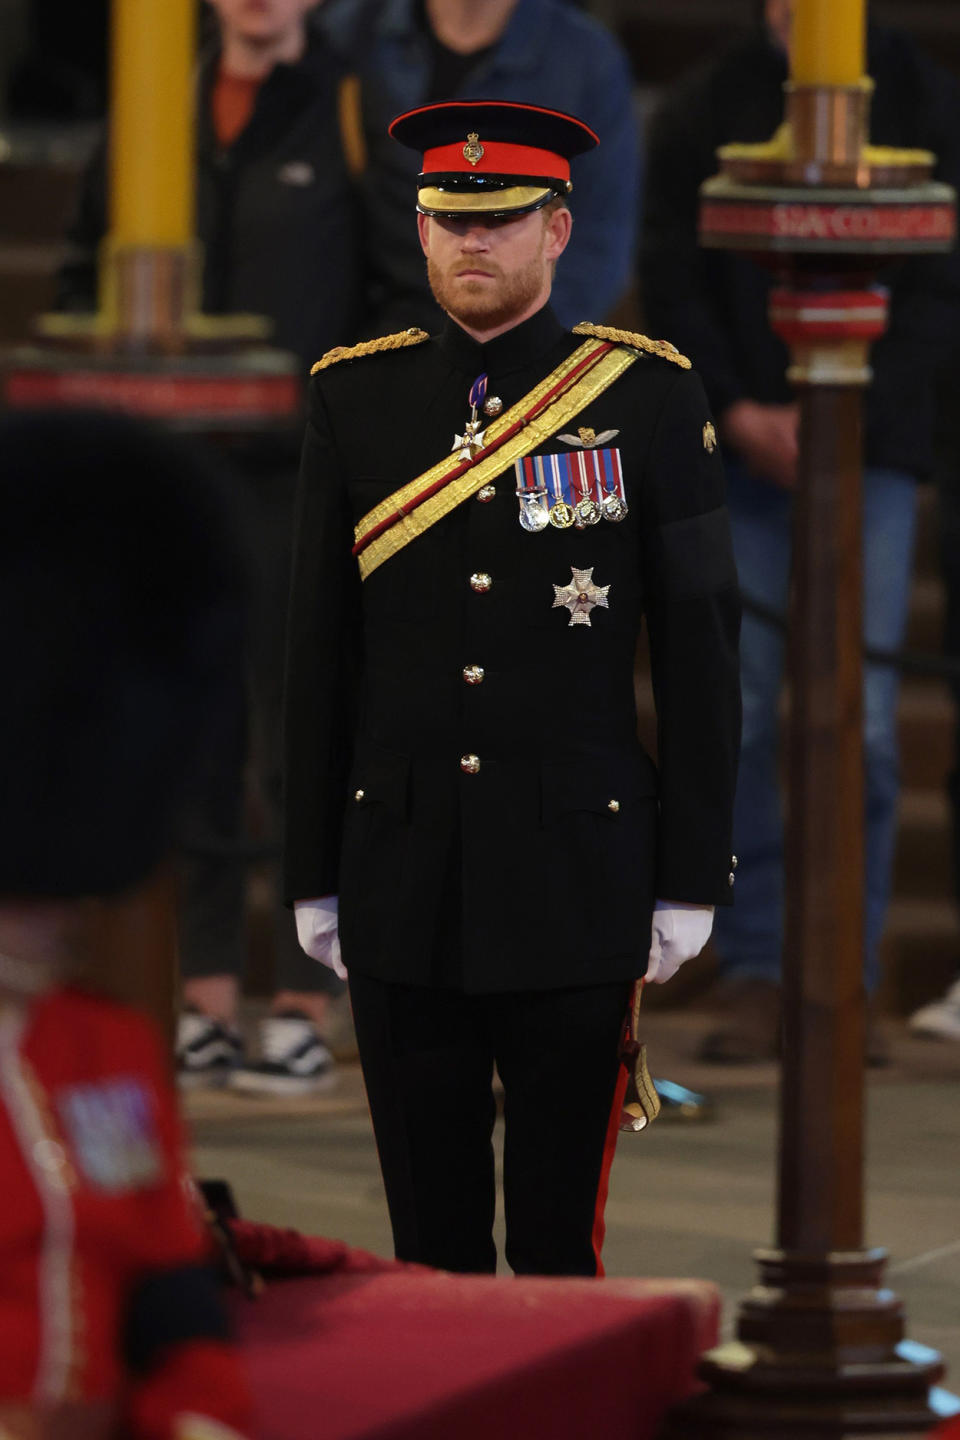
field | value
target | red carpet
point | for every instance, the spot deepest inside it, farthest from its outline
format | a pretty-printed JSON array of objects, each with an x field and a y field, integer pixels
[{"x": 374, "y": 1351}]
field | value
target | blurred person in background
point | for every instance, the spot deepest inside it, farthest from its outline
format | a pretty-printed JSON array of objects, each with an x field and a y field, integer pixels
[
  {"x": 121, "y": 598},
  {"x": 275, "y": 212},
  {"x": 939, "y": 1018},
  {"x": 713, "y": 304},
  {"x": 277, "y": 222},
  {"x": 545, "y": 52}
]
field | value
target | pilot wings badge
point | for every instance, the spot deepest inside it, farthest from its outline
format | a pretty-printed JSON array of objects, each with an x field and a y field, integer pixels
[{"x": 587, "y": 439}]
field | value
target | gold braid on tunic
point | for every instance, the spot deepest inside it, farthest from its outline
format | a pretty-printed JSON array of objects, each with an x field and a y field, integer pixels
[
  {"x": 662, "y": 348},
  {"x": 413, "y": 336}
]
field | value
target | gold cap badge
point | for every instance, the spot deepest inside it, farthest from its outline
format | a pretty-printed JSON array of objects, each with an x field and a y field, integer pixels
[
  {"x": 473, "y": 150},
  {"x": 709, "y": 438}
]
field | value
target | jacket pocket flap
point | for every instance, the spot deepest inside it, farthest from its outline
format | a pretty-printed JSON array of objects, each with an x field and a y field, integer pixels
[
  {"x": 380, "y": 777},
  {"x": 605, "y": 785}
]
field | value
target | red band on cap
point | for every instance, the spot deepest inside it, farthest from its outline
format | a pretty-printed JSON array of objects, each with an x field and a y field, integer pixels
[{"x": 499, "y": 158}]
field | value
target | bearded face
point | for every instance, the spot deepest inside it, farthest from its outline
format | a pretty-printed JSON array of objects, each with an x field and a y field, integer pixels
[{"x": 489, "y": 274}]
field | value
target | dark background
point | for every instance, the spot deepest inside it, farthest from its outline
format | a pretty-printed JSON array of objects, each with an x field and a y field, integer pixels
[
  {"x": 53, "y": 56},
  {"x": 53, "y": 94}
]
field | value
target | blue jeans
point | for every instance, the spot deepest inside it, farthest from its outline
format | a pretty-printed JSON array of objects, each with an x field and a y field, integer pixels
[{"x": 748, "y": 936}]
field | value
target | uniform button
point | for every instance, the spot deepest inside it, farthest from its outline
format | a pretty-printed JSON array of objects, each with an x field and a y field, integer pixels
[
  {"x": 731, "y": 878},
  {"x": 734, "y": 862},
  {"x": 614, "y": 806},
  {"x": 487, "y": 493},
  {"x": 473, "y": 674},
  {"x": 481, "y": 582},
  {"x": 470, "y": 764},
  {"x": 358, "y": 795}
]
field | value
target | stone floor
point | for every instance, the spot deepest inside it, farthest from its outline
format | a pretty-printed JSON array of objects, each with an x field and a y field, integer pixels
[{"x": 686, "y": 1198}]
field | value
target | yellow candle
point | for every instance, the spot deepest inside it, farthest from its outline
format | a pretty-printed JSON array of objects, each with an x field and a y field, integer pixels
[
  {"x": 151, "y": 122},
  {"x": 828, "y": 42}
]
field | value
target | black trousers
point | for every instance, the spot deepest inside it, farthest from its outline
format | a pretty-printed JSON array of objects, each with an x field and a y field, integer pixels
[{"x": 428, "y": 1057}]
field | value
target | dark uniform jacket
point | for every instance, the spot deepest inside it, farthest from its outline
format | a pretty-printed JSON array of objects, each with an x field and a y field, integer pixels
[
  {"x": 713, "y": 304},
  {"x": 276, "y": 214},
  {"x": 524, "y": 874}
]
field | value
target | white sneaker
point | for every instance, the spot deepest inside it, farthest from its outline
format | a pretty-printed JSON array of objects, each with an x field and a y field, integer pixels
[
  {"x": 208, "y": 1050},
  {"x": 941, "y": 1018},
  {"x": 295, "y": 1060}
]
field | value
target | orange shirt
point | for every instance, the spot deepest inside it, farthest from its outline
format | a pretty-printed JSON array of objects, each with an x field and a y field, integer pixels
[{"x": 231, "y": 105}]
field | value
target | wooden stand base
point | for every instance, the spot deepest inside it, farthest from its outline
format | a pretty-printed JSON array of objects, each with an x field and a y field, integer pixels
[
  {"x": 150, "y": 352},
  {"x": 819, "y": 1352}
]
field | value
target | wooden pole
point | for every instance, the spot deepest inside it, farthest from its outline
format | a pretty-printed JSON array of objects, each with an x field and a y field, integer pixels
[
  {"x": 821, "y": 1150},
  {"x": 818, "y": 1348}
]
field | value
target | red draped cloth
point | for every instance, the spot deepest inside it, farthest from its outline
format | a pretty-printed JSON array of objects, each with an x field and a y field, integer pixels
[{"x": 360, "y": 1348}]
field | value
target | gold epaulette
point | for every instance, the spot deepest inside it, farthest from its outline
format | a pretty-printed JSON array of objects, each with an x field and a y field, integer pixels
[
  {"x": 413, "y": 336},
  {"x": 663, "y": 348}
]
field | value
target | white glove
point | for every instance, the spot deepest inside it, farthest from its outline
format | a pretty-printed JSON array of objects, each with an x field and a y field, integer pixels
[
  {"x": 317, "y": 932},
  {"x": 680, "y": 931}
]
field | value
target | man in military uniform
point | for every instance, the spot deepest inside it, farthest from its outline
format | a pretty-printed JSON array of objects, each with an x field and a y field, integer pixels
[{"x": 462, "y": 762}]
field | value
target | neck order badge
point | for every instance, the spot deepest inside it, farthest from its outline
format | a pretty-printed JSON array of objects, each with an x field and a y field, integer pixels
[{"x": 470, "y": 443}]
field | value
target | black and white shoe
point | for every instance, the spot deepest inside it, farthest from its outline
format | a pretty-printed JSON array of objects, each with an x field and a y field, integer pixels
[
  {"x": 208, "y": 1051},
  {"x": 295, "y": 1060}
]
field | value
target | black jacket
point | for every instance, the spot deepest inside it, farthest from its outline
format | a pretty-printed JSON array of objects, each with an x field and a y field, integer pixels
[
  {"x": 713, "y": 305},
  {"x": 275, "y": 214},
  {"x": 555, "y": 886}
]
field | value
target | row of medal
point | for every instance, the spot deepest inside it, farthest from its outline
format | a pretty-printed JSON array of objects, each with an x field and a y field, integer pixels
[{"x": 576, "y": 488}]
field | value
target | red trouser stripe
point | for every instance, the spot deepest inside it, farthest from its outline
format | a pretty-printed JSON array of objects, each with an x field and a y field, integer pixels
[{"x": 609, "y": 1149}]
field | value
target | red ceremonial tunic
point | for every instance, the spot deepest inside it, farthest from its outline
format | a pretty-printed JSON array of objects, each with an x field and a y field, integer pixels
[{"x": 96, "y": 1201}]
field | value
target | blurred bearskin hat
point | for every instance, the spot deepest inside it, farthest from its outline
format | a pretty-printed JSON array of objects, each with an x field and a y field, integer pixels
[{"x": 121, "y": 617}]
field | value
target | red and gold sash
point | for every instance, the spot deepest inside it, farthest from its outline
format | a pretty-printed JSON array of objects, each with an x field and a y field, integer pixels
[{"x": 411, "y": 510}]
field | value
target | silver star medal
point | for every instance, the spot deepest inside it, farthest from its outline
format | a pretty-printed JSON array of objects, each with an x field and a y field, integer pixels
[{"x": 580, "y": 596}]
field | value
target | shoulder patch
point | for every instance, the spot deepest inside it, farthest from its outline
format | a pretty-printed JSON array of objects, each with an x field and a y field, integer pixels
[
  {"x": 662, "y": 348},
  {"x": 413, "y": 336}
]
